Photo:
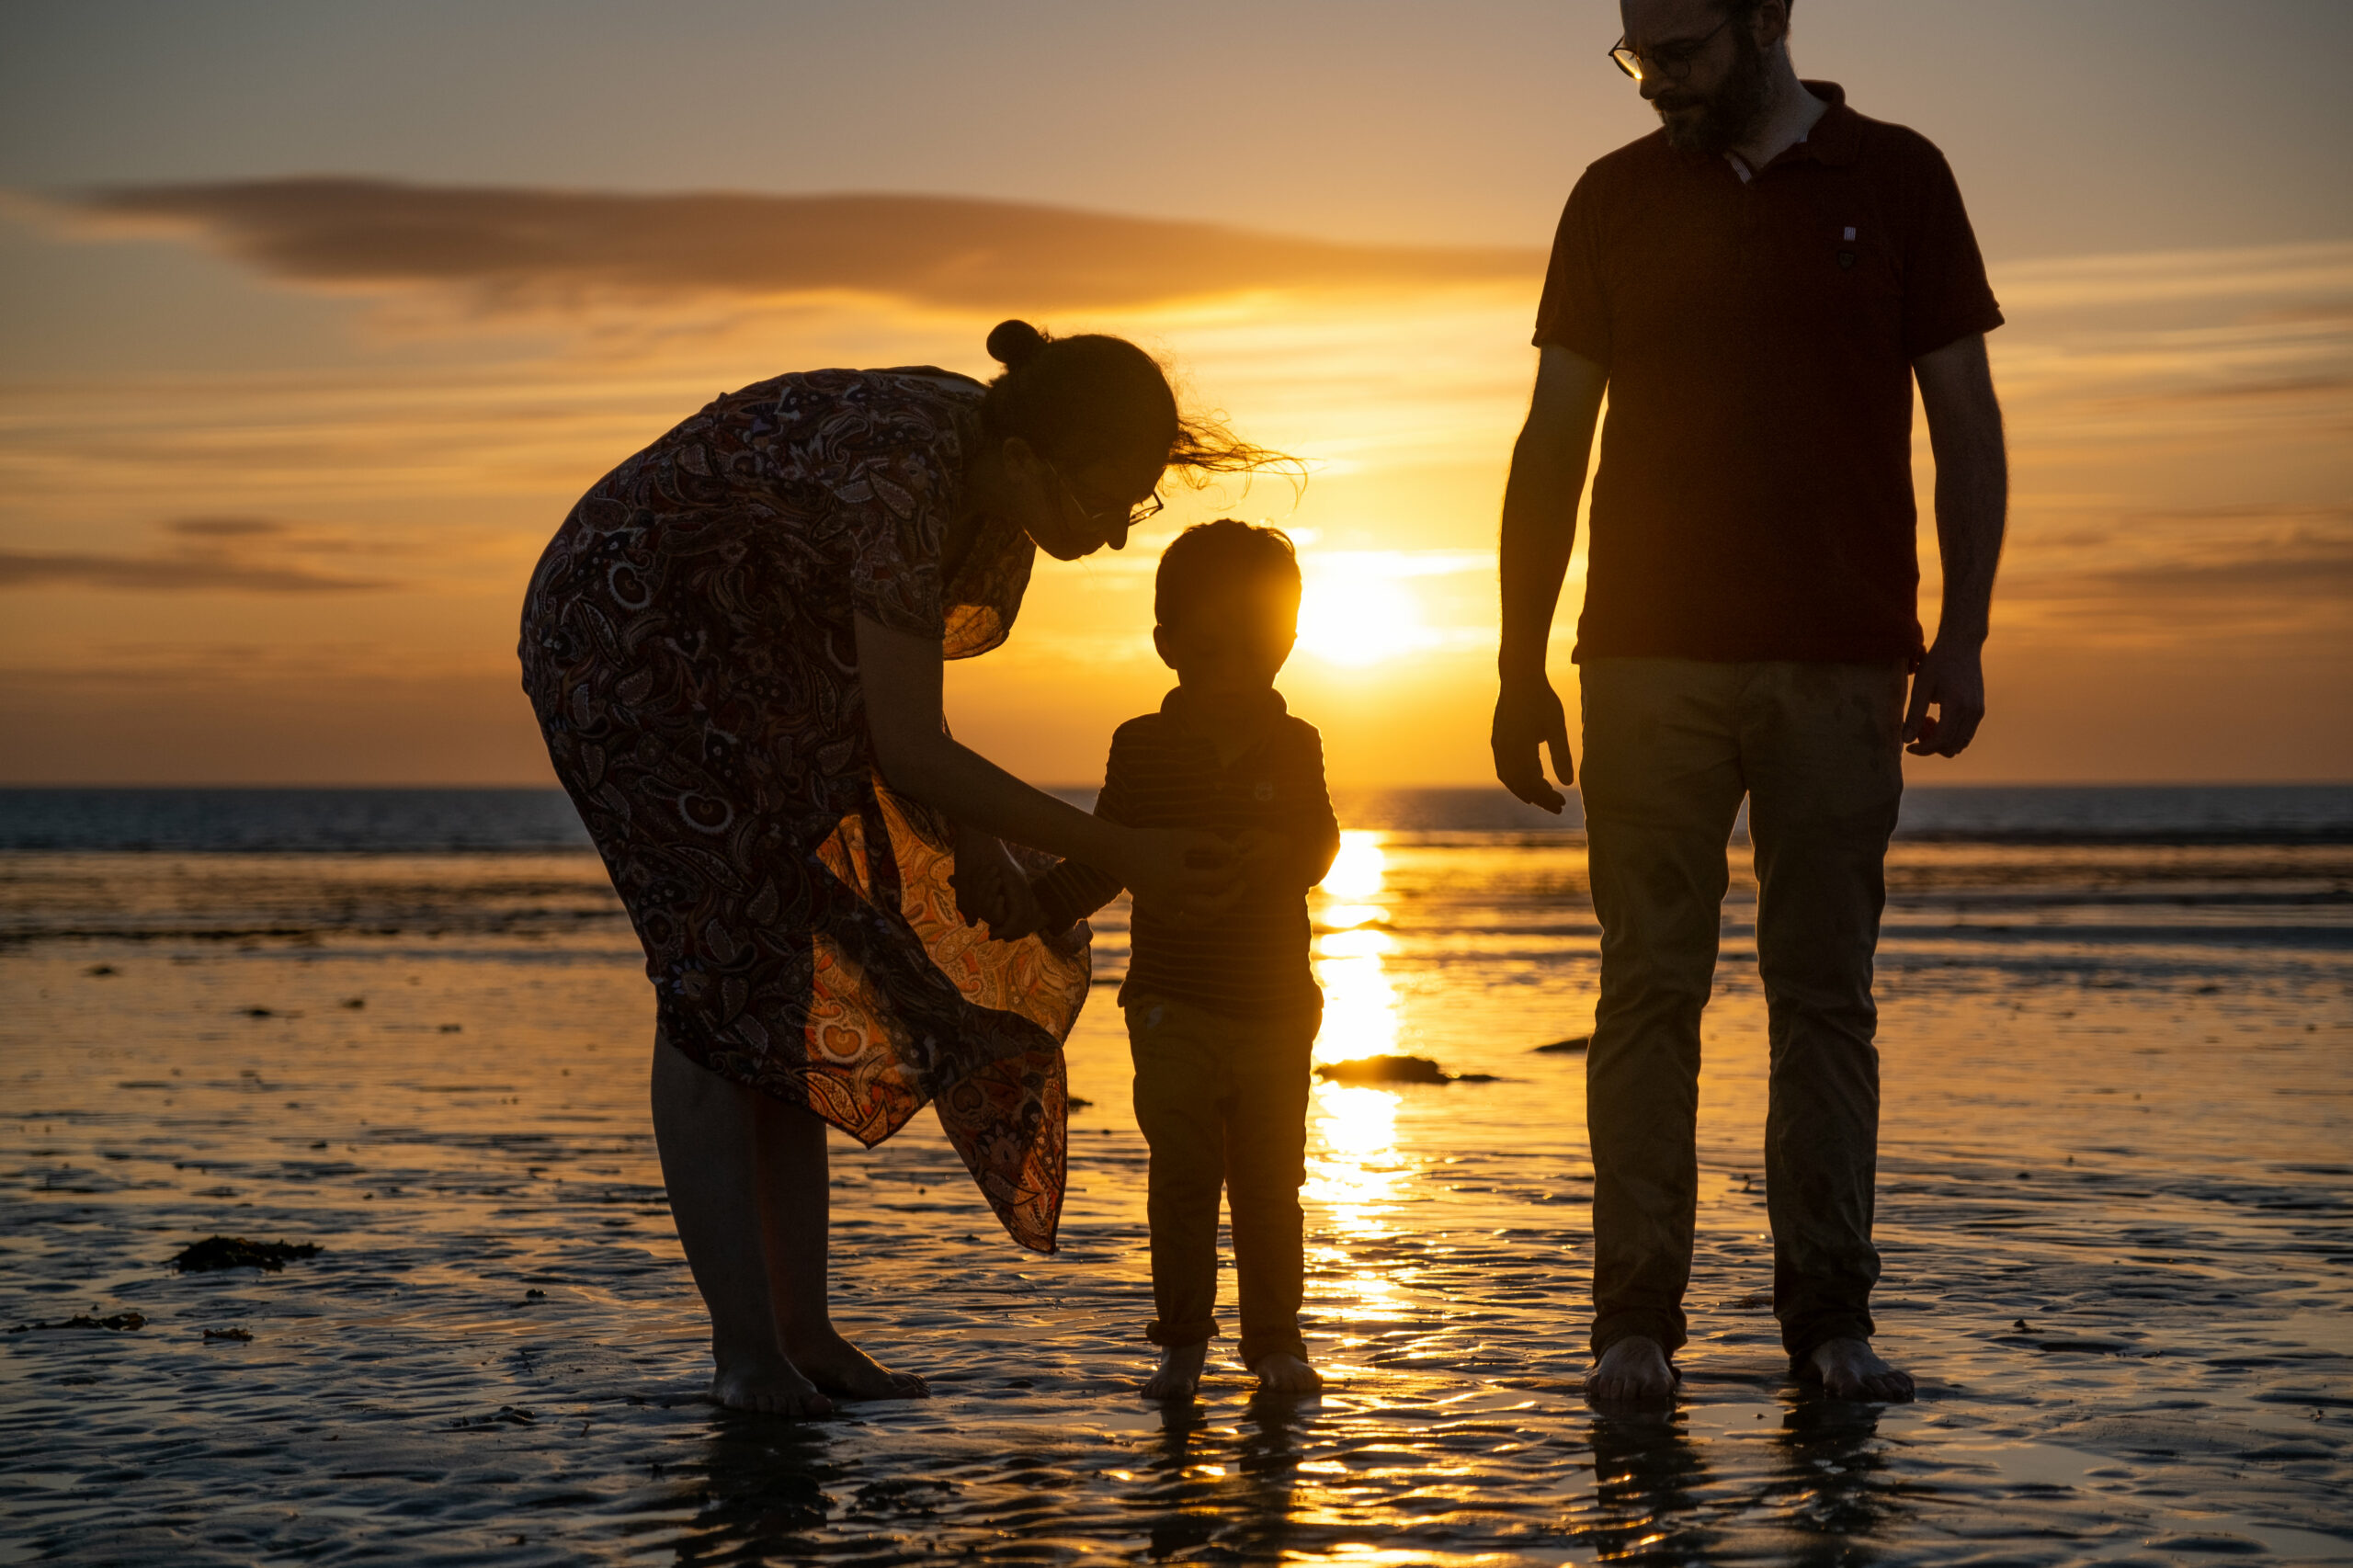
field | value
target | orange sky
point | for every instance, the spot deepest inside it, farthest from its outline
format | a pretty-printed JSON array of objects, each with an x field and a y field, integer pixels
[{"x": 279, "y": 455}]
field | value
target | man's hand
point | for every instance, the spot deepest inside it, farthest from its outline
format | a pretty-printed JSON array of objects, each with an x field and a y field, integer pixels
[
  {"x": 1973, "y": 508},
  {"x": 1529, "y": 715},
  {"x": 992, "y": 891},
  {"x": 1952, "y": 680}
]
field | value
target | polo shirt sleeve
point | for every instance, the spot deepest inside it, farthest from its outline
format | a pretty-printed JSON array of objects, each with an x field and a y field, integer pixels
[
  {"x": 1946, "y": 295},
  {"x": 1574, "y": 313},
  {"x": 1321, "y": 823}
]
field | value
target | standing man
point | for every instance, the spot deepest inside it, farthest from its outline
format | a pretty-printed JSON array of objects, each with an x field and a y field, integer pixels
[{"x": 1758, "y": 284}]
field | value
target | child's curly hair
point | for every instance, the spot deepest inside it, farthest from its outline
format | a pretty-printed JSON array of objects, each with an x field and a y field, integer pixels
[{"x": 1210, "y": 556}]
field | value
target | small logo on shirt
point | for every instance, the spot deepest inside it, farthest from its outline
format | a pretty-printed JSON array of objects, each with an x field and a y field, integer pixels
[
  {"x": 1847, "y": 261},
  {"x": 1263, "y": 792}
]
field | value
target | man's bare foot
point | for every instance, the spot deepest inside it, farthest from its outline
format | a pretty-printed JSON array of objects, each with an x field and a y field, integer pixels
[
  {"x": 770, "y": 1384},
  {"x": 1850, "y": 1368},
  {"x": 842, "y": 1369},
  {"x": 1633, "y": 1370},
  {"x": 1179, "y": 1374},
  {"x": 1283, "y": 1372}
]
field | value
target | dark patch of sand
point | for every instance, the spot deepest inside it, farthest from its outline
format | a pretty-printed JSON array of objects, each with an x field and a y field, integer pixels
[{"x": 235, "y": 1251}]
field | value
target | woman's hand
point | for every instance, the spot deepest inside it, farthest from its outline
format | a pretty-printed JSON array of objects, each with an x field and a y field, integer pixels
[
  {"x": 992, "y": 891},
  {"x": 1196, "y": 874}
]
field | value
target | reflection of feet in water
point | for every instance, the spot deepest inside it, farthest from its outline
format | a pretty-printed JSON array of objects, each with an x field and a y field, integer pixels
[
  {"x": 842, "y": 1369},
  {"x": 1179, "y": 1374},
  {"x": 1285, "y": 1373},
  {"x": 1652, "y": 1490},
  {"x": 1850, "y": 1368},
  {"x": 768, "y": 1384},
  {"x": 1633, "y": 1370}
]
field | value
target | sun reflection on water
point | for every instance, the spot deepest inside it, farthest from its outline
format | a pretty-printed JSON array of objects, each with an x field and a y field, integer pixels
[
  {"x": 1359, "y": 1002},
  {"x": 1357, "y": 870},
  {"x": 1355, "y": 1173}
]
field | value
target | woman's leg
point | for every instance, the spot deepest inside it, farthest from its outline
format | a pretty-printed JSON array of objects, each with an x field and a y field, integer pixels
[
  {"x": 706, "y": 1128},
  {"x": 794, "y": 1226}
]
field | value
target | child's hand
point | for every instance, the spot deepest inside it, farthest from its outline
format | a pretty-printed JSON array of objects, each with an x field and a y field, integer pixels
[
  {"x": 1048, "y": 925},
  {"x": 1268, "y": 860},
  {"x": 1192, "y": 875},
  {"x": 992, "y": 891}
]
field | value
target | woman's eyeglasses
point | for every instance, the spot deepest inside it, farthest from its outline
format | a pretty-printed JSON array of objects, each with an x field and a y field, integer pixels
[
  {"x": 1673, "y": 61},
  {"x": 1110, "y": 517}
]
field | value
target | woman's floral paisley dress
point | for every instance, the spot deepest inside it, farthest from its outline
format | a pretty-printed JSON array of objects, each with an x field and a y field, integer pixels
[{"x": 688, "y": 647}]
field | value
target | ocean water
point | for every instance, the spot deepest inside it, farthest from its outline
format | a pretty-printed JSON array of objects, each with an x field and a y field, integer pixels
[{"x": 410, "y": 1027}]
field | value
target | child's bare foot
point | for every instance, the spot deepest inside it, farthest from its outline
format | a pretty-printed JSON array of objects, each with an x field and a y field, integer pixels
[
  {"x": 1179, "y": 1374},
  {"x": 1850, "y": 1368},
  {"x": 768, "y": 1384},
  {"x": 1633, "y": 1370},
  {"x": 1283, "y": 1372},
  {"x": 842, "y": 1369}
]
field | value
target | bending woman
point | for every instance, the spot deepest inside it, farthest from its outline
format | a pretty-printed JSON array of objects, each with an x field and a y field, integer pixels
[{"x": 734, "y": 647}]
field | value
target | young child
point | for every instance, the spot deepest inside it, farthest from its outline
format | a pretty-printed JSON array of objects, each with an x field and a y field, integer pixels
[{"x": 1221, "y": 1013}]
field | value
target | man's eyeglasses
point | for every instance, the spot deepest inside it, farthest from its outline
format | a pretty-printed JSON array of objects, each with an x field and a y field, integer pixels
[
  {"x": 1109, "y": 517},
  {"x": 1671, "y": 61}
]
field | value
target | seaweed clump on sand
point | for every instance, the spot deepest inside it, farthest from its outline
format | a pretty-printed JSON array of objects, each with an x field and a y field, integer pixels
[
  {"x": 1396, "y": 1069},
  {"x": 119, "y": 1321},
  {"x": 235, "y": 1251}
]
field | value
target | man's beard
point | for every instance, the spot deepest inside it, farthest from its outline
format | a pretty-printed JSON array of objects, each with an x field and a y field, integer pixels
[{"x": 1717, "y": 122}]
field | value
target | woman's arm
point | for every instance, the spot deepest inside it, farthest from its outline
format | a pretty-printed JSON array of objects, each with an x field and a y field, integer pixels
[{"x": 900, "y": 675}]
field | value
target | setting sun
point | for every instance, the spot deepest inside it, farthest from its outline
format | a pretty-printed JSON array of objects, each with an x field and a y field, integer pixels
[{"x": 1354, "y": 615}]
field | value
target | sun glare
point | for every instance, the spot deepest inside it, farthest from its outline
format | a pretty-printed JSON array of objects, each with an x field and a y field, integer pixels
[{"x": 1352, "y": 616}]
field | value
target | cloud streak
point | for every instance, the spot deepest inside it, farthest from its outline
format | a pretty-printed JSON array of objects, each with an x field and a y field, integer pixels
[
  {"x": 30, "y": 569},
  {"x": 220, "y": 559},
  {"x": 537, "y": 248}
]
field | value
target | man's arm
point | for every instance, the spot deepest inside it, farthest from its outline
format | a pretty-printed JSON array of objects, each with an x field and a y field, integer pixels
[
  {"x": 1547, "y": 467},
  {"x": 1972, "y": 504}
]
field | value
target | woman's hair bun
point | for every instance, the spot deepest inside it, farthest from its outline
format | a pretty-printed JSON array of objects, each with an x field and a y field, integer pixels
[{"x": 1013, "y": 344}]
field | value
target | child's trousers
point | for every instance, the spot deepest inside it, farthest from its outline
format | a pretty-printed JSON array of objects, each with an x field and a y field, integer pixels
[{"x": 1222, "y": 1102}]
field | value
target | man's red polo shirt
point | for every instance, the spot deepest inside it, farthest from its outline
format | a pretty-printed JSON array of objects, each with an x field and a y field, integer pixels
[{"x": 1755, "y": 495}]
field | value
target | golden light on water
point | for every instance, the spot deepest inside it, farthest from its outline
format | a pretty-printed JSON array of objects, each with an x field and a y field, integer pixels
[
  {"x": 1354, "y": 1167},
  {"x": 1359, "y": 1002},
  {"x": 1357, "y": 870}
]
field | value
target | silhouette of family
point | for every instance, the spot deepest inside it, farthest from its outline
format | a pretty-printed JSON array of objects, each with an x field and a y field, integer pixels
[{"x": 734, "y": 648}]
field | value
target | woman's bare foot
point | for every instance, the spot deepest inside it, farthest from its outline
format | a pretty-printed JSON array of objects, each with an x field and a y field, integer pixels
[
  {"x": 1633, "y": 1370},
  {"x": 1850, "y": 1368},
  {"x": 1179, "y": 1374},
  {"x": 1283, "y": 1372},
  {"x": 842, "y": 1369},
  {"x": 771, "y": 1385}
]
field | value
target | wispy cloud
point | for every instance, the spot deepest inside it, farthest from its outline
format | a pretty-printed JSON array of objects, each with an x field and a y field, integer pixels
[
  {"x": 2157, "y": 278},
  {"x": 536, "y": 248},
  {"x": 207, "y": 555}
]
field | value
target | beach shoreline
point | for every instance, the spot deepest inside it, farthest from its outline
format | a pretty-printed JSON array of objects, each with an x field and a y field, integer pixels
[{"x": 2112, "y": 1209}]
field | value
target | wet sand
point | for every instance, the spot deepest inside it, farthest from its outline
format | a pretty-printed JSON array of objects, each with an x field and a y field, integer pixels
[{"x": 2113, "y": 1205}]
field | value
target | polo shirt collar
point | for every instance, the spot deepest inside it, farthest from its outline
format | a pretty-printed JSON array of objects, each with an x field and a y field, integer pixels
[
  {"x": 1265, "y": 714},
  {"x": 1836, "y": 137}
]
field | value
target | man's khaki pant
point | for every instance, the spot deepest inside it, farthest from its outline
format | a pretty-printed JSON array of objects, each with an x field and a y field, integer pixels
[
  {"x": 1670, "y": 747},
  {"x": 1222, "y": 1103}
]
